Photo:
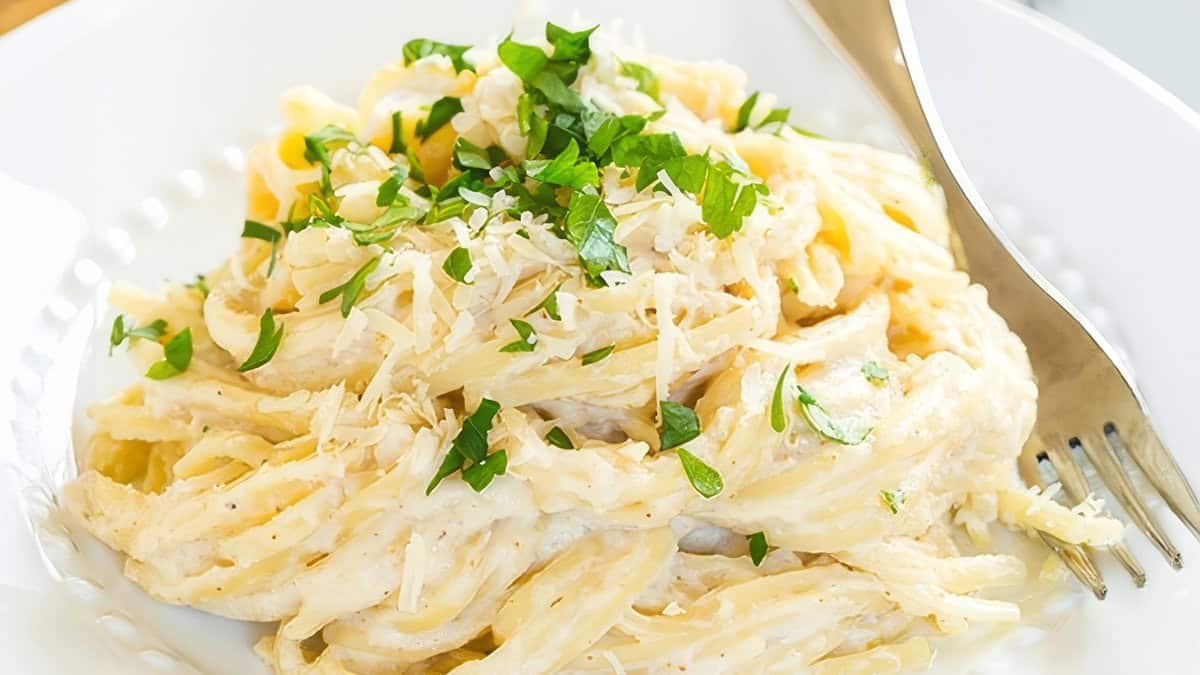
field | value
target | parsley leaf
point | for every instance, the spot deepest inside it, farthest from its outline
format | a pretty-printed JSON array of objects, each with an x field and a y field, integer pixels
[
  {"x": 453, "y": 461},
  {"x": 266, "y": 345},
  {"x": 559, "y": 439},
  {"x": 531, "y": 126},
  {"x": 528, "y": 337},
  {"x": 652, "y": 149},
  {"x": 440, "y": 113},
  {"x": 566, "y": 169},
  {"x": 728, "y": 198},
  {"x": 778, "y": 415},
  {"x": 569, "y": 47},
  {"x": 321, "y": 143},
  {"x": 652, "y": 152},
  {"x": 256, "y": 230},
  {"x": 805, "y": 132},
  {"x": 467, "y": 155},
  {"x": 647, "y": 81},
  {"x": 603, "y": 129},
  {"x": 778, "y": 116},
  {"x": 200, "y": 284},
  {"x": 480, "y": 474},
  {"x": 352, "y": 288},
  {"x": 397, "y": 145},
  {"x": 597, "y": 355},
  {"x": 743, "y": 113},
  {"x": 875, "y": 373},
  {"x": 893, "y": 499},
  {"x": 458, "y": 265},
  {"x": 589, "y": 227},
  {"x": 680, "y": 424},
  {"x": 704, "y": 479},
  {"x": 525, "y": 61},
  {"x": 119, "y": 333},
  {"x": 549, "y": 75},
  {"x": 415, "y": 50},
  {"x": 414, "y": 165},
  {"x": 390, "y": 188},
  {"x": 151, "y": 331},
  {"x": 758, "y": 547},
  {"x": 825, "y": 426},
  {"x": 550, "y": 304},
  {"x": 688, "y": 173},
  {"x": 557, "y": 92},
  {"x": 471, "y": 443},
  {"x": 177, "y": 355}
]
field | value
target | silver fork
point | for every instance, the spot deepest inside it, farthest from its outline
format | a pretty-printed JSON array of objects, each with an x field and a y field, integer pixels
[{"x": 1088, "y": 402}]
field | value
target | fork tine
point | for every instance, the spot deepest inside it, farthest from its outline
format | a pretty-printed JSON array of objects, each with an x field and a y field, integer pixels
[
  {"x": 1159, "y": 466},
  {"x": 1075, "y": 483},
  {"x": 1104, "y": 458},
  {"x": 1079, "y": 563}
]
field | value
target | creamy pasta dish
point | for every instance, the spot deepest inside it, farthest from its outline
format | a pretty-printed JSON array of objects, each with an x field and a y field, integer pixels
[{"x": 558, "y": 356}]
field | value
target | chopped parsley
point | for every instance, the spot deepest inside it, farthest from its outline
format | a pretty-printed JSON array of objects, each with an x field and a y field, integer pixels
[
  {"x": 352, "y": 288},
  {"x": 397, "y": 145},
  {"x": 480, "y": 474},
  {"x": 527, "y": 339},
  {"x": 648, "y": 153},
  {"x": 566, "y": 169},
  {"x": 743, "y": 113},
  {"x": 414, "y": 164},
  {"x": 647, "y": 81},
  {"x": 531, "y": 126},
  {"x": 778, "y": 414},
  {"x": 525, "y": 61},
  {"x": 177, "y": 355},
  {"x": 266, "y": 344},
  {"x": 758, "y": 547},
  {"x": 415, "y": 50},
  {"x": 793, "y": 285},
  {"x": 875, "y": 373},
  {"x": 320, "y": 144},
  {"x": 604, "y": 129},
  {"x": 680, "y": 424},
  {"x": 467, "y": 155},
  {"x": 893, "y": 499},
  {"x": 590, "y": 227},
  {"x": 704, "y": 479},
  {"x": 256, "y": 230},
  {"x": 471, "y": 445},
  {"x": 569, "y": 48},
  {"x": 458, "y": 264},
  {"x": 200, "y": 284},
  {"x": 389, "y": 189},
  {"x": 559, "y": 439},
  {"x": 825, "y": 426},
  {"x": 597, "y": 355},
  {"x": 728, "y": 198},
  {"x": 549, "y": 304},
  {"x": 120, "y": 332},
  {"x": 775, "y": 120},
  {"x": 439, "y": 114}
]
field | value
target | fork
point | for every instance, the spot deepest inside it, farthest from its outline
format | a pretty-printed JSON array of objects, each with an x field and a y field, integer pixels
[{"x": 1089, "y": 407}]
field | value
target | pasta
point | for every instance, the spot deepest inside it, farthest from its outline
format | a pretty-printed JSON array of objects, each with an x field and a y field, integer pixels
[{"x": 565, "y": 357}]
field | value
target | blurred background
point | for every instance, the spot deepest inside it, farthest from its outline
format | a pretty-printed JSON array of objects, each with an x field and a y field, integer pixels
[{"x": 1156, "y": 36}]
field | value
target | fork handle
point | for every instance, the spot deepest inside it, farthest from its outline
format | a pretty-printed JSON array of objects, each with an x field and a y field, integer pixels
[{"x": 877, "y": 37}]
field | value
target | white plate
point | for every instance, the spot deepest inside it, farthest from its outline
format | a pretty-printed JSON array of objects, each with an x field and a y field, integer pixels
[{"x": 120, "y": 158}]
